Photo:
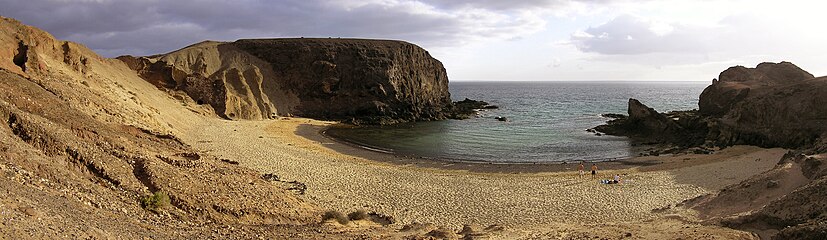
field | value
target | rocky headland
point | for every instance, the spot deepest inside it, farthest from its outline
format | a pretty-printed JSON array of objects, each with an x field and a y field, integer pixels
[
  {"x": 358, "y": 81},
  {"x": 771, "y": 105}
]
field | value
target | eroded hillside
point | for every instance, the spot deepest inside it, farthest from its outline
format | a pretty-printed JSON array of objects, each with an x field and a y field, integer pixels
[
  {"x": 355, "y": 80},
  {"x": 84, "y": 140}
]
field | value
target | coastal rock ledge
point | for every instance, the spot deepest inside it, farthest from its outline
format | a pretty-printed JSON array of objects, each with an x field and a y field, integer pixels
[
  {"x": 352, "y": 80},
  {"x": 771, "y": 105}
]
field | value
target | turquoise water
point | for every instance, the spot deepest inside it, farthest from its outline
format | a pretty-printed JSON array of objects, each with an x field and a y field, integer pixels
[{"x": 547, "y": 122}]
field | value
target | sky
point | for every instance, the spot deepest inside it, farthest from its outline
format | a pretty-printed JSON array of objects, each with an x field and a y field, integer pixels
[{"x": 490, "y": 40}]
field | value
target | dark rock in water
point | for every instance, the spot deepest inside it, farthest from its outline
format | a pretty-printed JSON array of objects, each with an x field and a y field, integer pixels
[
  {"x": 648, "y": 119},
  {"x": 644, "y": 124},
  {"x": 470, "y": 104},
  {"x": 613, "y": 115},
  {"x": 468, "y": 108}
]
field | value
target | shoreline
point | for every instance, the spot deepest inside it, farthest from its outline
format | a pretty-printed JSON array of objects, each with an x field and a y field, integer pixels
[
  {"x": 316, "y": 133},
  {"x": 345, "y": 178}
]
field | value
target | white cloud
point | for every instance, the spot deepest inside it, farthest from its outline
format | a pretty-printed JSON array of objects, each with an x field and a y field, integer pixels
[{"x": 631, "y": 35}]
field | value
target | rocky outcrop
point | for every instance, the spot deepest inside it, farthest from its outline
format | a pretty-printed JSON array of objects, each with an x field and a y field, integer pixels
[
  {"x": 645, "y": 125},
  {"x": 772, "y": 105},
  {"x": 734, "y": 84},
  {"x": 355, "y": 80},
  {"x": 468, "y": 108},
  {"x": 234, "y": 83}
]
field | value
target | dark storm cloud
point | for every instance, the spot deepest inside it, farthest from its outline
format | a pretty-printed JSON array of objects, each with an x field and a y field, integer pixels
[{"x": 142, "y": 27}]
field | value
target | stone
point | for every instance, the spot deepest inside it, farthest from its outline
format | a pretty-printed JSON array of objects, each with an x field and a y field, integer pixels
[{"x": 772, "y": 184}]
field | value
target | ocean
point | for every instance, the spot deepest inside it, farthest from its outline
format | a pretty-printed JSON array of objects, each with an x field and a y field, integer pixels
[{"x": 547, "y": 122}]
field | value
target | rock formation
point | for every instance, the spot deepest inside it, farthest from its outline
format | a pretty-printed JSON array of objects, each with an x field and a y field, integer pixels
[
  {"x": 772, "y": 105},
  {"x": 645, "y": 125},
  {"x": 355, "y": 80},
  {"x": 734, "y": 85}
]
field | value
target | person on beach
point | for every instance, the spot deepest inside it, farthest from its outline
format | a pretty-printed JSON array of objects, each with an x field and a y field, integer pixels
[
  {"x": 581, "y": 169},
  {"x": 617, "y": 179},
  {"x": 594, "y": 170}
]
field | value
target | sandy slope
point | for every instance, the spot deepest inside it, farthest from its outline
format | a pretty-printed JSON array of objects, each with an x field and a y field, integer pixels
[{"x": 453, "y": 198}]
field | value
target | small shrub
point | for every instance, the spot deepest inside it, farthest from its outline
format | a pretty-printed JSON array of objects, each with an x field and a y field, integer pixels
[
  {"x": 155, "y": 202},
  {"x": 358, "y": 215},
  {"x": 340, "y": 217}
]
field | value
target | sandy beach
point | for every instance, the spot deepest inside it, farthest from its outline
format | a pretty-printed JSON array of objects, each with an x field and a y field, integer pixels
[{"x": 454, "y": 194}]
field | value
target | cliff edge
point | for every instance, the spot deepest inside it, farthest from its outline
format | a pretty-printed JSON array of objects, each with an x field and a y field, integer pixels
[
  {"x": 771, "y": 105},
  {"x": 353, "y": 80}
]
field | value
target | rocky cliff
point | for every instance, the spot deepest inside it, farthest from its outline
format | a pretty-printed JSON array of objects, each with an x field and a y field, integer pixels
[
  {"x": 356, "y": 80},
  {"x": 734, "y": 84},
  {"x": 772, "y": 105}
]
